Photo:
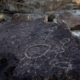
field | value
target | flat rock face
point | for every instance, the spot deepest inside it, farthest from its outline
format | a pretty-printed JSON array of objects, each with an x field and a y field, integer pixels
[
  {"x": 71, "y": 20},
  {"x": 44, "y": 51}
]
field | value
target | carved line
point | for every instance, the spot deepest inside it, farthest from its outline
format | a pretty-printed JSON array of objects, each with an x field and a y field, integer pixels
[
  {"x": 40, "y": 55},
  {"x": 65, "y": 40},
  {"x": 50, "y": 31}
]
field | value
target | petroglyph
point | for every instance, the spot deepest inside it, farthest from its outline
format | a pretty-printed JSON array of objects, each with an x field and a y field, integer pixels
[
  {"x": 37, "y": 50},
  {"x": 43, "y": 49}
]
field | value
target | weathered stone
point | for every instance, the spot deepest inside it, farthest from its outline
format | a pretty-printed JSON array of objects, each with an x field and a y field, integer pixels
[
  {"x": 17, "y": 17},
  {"x": 71, "y": 20},
  {"x": 44, "y": 50},
  {"x": 3, "y": 17},
  {"x": 8, "y": 62},
  {"x": 33, "y": 6},
  {"x": 49, "y": 16}
]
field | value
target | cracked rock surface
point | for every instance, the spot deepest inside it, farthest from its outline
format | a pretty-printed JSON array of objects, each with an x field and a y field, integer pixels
[{"x": 39, "y": 51}]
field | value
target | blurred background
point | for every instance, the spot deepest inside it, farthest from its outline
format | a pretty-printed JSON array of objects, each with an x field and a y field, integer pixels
[{"x": 37, "y": 8}]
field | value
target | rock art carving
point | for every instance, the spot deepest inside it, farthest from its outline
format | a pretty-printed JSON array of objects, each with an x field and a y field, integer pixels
[{"x": 42, "y": 49}]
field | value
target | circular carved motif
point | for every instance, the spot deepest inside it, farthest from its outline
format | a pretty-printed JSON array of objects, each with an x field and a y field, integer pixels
[{"x": 37, "y": 50}]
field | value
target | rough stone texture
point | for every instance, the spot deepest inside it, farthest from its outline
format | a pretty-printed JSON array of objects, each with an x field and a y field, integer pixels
[
  {"x": 20, "y": 17},
  {"x": 32, "y": 6},
  {"x": 49, "y": 16},
  {"x": 71, "y": 20},
  {"x": 8, "y": 62},
  {"x": 44, "y": 51}
]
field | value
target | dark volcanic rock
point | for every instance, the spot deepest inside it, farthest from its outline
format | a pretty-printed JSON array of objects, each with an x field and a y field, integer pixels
[
  {"x": 8, "y": 63},
  {"x": 71, "y": 20},
  {"x": 45, "y": 51}
]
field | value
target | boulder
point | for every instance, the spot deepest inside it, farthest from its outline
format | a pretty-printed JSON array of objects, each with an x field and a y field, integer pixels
[
  {"x": 17, "y": 17},
  {"x": 49, "y": 16},
  {"x": 32, "y": 6},
  {"x": 36, "y": 50},
  {"x": 20, "y": 17},
  {"x": 70, "y": 19}
]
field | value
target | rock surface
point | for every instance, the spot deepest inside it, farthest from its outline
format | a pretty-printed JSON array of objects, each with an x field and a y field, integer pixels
[
  {"x": 39, "y": 51},
  {"x": 20, "y": 17},
  {"x": 32, "y": 6},
  {"x": 71, "y": 20}
]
